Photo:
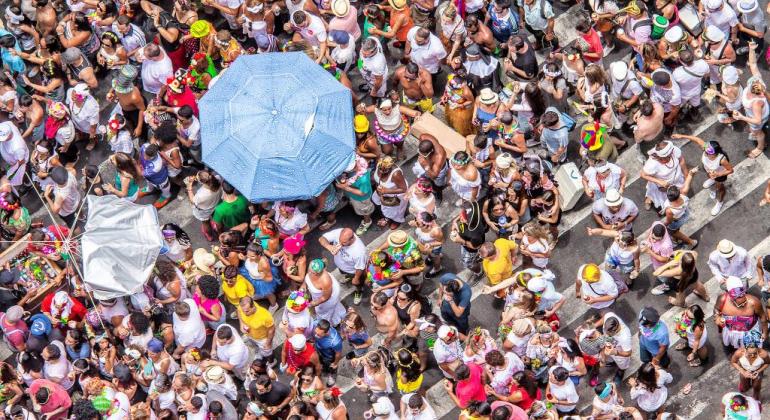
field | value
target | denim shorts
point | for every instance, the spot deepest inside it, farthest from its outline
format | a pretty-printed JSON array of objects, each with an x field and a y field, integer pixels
[{"x": 678, "y": 223}]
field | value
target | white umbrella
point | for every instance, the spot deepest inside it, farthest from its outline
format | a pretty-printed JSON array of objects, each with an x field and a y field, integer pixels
[{"x": 121, "y": 242}]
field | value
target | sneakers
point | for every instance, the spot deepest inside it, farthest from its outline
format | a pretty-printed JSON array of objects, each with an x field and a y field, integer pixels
[
  {"x": 363, "y": 227},
  {"x": 708, "y": 183},
  {"x": 234, "y": 315},
  {"x": 713, "y": 195},
  {"x": 742, "y": 51},
  {"x": 717, "y": 208},
  {"x": 356, "y": 298},
  {"x": 273, "y": 308},
  {"x": 660, "y": 289}
]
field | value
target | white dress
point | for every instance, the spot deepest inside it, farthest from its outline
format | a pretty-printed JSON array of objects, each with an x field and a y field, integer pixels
[
  {"x": 331, "y": 310},
  {"x": 670, "y": 172},
  {"x": 395, "y": 213},
  {"x": 463, "y": 187}
]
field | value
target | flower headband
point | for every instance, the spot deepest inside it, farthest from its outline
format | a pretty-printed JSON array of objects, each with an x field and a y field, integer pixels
[
  {"x": 548, "y": 73},
  {"x": 736, "y": 406},
  {"x": 737, "y": 292},
  {"x": 461, "y": 162},
  {"x": 336, "y": 392},
  {"x": 5, "y": 205}
]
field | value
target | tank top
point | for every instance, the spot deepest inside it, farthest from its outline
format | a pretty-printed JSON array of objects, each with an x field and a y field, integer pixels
[
  {"x": 408, "y": 24},
  {"x": 172, "y": 172},
  {"x": 678, "y": 211},
  {"x": 712, "y": 165},
  {"x": 403, "y": 313},
  {"x": 749, "y": 365},
  {"x": 325, "y": 413},
  {"x": 749, "y": 102},
  {"x": 132, "y": 187},
  {"x": 420, "y": 205},
  {"x": 90, "y": 47}
]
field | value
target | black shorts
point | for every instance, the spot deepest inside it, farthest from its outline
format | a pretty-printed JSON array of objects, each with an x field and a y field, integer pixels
[{"x": 721, "y": 178}]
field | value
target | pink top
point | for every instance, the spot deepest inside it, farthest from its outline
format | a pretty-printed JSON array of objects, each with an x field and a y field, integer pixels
[
  {"x": 348, "y": 24},
  {"x": 206, "y": 304},
  {"x": 58, "y": 398}
]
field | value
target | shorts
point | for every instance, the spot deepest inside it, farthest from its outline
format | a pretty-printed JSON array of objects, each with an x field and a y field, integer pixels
[
  {"x": 678, "y": 223},
  {"x": 263, "y": 350},
  {"x": 720, "y": 178},
  {"x": 470, "y": 259},
  {"x": 765, "y": 296},
  {"x": 362, "y": 208},
  {"x": 436, "y": 251}
]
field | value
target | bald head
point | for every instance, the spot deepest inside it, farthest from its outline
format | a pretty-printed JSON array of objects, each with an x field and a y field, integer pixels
[{"x": 347, "y": 237}]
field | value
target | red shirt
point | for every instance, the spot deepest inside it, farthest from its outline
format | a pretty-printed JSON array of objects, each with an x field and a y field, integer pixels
[
  {"x": 58, "y": 398},
  {"x": 595, "y": 45},
  {"x": 77, "y": 313},
  {"x": 297, "y": 361},
  {"x": 15, "y": 334},
  {"x": 471, "y": 389},
  {"x": 526, "y": 399}
]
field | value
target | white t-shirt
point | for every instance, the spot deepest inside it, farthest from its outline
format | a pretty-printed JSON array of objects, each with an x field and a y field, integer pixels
[
  {"x": 344, "y": 54},
  {"x": 627, "y": 208},
  {"x": 565, "y": 392},
  {"x": 604, "y": 287},
  {"x": 668, "y": 97},
  {"x": 349, "y": 258},
  {"x": 58, "y": 370},
  {"x": 315, "y": 32},
  {"x": 633, "y": 87},
  {"x": 193, "y": 132},
  {"x": 83, "y": 116},
  {"x": 723, "y": 19},
  {"x": 427, "y": 412},
  {"x": 121, "y": 407},
  {"x": 70, "y": 194},
  {"x": 427, "y": 56},
  {"x": 155, "y": 73},
  {"x": 612, "y": 182},
  {"x": 651, "y": 401},
  {"x": 689, "y": 79},
  {"x": 447, "y": 353}
]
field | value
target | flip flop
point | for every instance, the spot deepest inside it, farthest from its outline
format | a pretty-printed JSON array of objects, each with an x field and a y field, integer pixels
[{"x": 687, "y": 389}]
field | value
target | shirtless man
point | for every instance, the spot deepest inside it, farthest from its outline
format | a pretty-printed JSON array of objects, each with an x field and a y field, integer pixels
[
  {"x": 649, "y": 126},
  {"x": 432, "y": 162},
  {"x": 46, "y": 18},
  {"x": 479, "y": 34},
  {"x": 33, "y": 115},
  {"x": 125, "y": 92},
  {"x": 385, "y": 317},
  {"x": 416, "y": 86}
]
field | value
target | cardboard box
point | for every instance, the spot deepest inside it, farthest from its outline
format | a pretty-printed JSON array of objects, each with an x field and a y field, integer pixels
[
  {"x": 570, "y": 185},
  {"x": 427, "y": 123}
]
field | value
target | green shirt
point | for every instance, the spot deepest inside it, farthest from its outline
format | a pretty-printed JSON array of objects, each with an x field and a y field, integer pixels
[
  {"x": 363, "y": 184},
  {"x": 232, "y": 214}
]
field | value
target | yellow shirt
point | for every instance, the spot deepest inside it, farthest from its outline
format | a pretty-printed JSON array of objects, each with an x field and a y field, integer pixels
[
  {"x": 240, "y": 289},
  {"x": 259, "y": 322},
  {"x": 502, "y": 267}
]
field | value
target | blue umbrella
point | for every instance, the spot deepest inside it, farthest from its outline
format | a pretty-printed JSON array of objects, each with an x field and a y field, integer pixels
[{"x": 277, "y": 126}]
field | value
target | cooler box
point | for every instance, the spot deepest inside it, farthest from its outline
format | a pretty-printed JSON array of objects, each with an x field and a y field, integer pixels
[
  {"x": 427, "y": 123},
  {"x": 689, "y": 19},
  {"x": 570, "y": 185}
]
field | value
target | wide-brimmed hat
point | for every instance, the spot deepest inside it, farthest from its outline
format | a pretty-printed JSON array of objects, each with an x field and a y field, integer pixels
[
  {"x": 713, "y": 4},
  {"x": 124, "y": 82},
  {"x": 214, "y": 375},
  {"x": 726, "y": 248},
  {"x": 340, "y": 8},
  {"x": 613, "y": 198},
  {"x": 203, "y": 260},
  {"x": 200, "y": 28},
  {"x": 504, "y": 161},
  {"x": 397, "y": 238},
  {"x": 487, "y": 96},
  {"x": 397, "y": 4},
  {"x": 746, "y": 6}
]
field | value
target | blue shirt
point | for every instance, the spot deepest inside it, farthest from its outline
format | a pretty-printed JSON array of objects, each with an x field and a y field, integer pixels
[
  {"x": 461, "y": 299},
  {"x": 14, "y": 63},
  {"x": 653, "y": 342},
  {"x": 553, "y": 139},
  {"x": 329, "y": 345},
  {"x": 154, "y": 171}
]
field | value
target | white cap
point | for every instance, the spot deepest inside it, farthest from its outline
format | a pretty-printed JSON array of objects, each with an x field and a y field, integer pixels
[
  {"x": 382, "y": 407},
  {"x": 619, "y": 70},
  {"x": 730, "y": 75},
  {"x": 445, "y": 331},
  {"x": 613, "y": 198},
  {"x": 298, "y": 341},
  {"x": 714, "y": 34},
  {"x": 536, "y": 284},
  {"x": 713, "y": 4},
  {"x": 674, "y": 34}
]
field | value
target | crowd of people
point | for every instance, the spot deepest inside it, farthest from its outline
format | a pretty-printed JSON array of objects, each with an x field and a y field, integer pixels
[{"x": 252, "y": 324}]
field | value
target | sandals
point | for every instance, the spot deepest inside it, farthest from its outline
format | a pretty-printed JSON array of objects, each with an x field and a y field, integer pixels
[
  {"x": 382, "y": 222},
  {"x": 680, "y": 346},
  {"x": 696, "y": 362},
  {"x": 326, "y": 225}
]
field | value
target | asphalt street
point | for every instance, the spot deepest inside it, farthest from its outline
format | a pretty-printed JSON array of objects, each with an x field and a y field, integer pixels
[{"x": 741, "y": 221}]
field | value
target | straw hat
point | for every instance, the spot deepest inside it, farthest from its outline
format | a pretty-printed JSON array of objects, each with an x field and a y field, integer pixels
[
  {"x": 713, "y": 34},
  {"x": 397, "y": 238},
  {"x": 397, "y": 4},
  {"x": 726, "y": 248},
  {"x": 746, "y": 6},
  {"x": 487, "y": 96},
  {"x": 340, "y": 8},
  {"x": 200, "y": 28},
  {"x": 214, "y": 375},
  {"x": 203, "y": 260},
  {"x": 361, "y": 124},
  {"x": 713, "y": 5},
  {"x": 504, "y": 161}
]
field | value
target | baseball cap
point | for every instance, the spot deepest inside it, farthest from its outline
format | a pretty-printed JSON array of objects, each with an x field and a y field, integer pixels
[{"x": 649, "y": 316}]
